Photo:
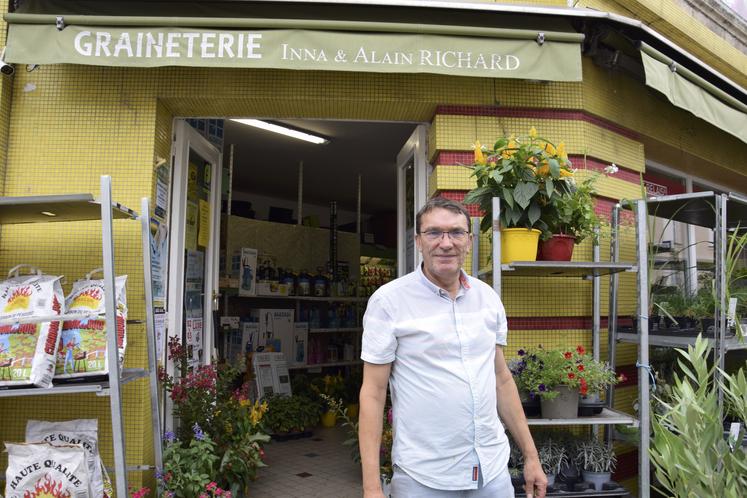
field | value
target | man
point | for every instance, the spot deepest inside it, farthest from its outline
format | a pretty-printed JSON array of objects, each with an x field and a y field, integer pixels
[{"x": 436, "y": 336}]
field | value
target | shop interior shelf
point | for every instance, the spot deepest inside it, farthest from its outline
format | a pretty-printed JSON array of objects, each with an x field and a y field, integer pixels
[
  {"x": 322, "y": 365},
  {"x": 697, "y": 208},
  {"x": 52, "y": 208},
  {"x": 327, "y": 299},
  {"x": 581, "y": 269},
  {"x": 343, "y": 329},
  {"x": 731, "y": 343},
  {"x": 99, "y": 387},
  {"x": 608, "y": 416}
]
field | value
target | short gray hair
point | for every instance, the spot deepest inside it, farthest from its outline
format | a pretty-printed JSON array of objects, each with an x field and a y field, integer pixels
[{"x": 442, "y": 203}]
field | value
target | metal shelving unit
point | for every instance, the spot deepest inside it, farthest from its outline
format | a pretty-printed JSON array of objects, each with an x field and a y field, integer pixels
[
  {"x": 587, "y": 270},
  {"x": 83, "y": 207},
  {"x": 720, "y": 212}
]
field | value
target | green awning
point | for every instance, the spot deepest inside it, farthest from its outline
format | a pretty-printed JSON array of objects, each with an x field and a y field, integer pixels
[
  {"x": 689, "y": 91},
  {"x": 295, "y": 44}
]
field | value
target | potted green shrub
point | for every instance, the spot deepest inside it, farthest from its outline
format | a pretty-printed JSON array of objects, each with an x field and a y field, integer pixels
[
  {"x": 597, "y": 461},
  {"x": 290, "y": 416},
  {"x": 553, "y": 456},
  {"x": 525, "y": 173},
  {"x": 570, "y": 219},
  {"x": 689, "y": 453}
]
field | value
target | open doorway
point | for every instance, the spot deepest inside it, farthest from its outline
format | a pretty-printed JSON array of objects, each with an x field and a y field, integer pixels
[{"x": 308, "y": 233}]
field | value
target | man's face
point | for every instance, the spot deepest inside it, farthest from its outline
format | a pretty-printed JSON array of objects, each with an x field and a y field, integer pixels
[{"x": 443, "y": 255}]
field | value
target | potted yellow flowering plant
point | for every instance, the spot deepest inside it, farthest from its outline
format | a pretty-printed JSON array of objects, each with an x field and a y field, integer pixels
[{"x": 526, "y": 174}]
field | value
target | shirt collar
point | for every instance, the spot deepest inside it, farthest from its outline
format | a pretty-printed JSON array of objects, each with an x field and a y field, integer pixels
[{"x": 463, "y": 281}]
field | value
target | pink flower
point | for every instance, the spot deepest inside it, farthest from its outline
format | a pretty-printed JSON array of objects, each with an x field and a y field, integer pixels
[
  {"x": 211, "y": 486},
  {"x": 389, "y": 416}
]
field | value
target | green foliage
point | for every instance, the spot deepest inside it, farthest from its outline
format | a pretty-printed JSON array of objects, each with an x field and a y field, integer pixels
[
  {"x": 553, "y": 456},
  {"x": 593, "y": 456},
  {"x": 188, "y": 468},
  {"x": 290, "y": 413},
  {"x": 573, "y": 213},
  {"x": 351, "y": 426},
  {"x": 525, "y": 173},
  {"x": 691, "y": 456}
]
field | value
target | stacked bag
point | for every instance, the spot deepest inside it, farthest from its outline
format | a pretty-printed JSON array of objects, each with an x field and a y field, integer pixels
[
  {"x": 35, "y": 353},
  {"x": 59, "y": 459}
]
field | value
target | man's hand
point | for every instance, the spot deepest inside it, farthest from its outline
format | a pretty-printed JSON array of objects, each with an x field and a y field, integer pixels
[{"x": 535, "y": 481}]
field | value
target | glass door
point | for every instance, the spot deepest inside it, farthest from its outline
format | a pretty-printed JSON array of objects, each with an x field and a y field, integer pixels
[
  {"x": 412, "y": 175},
  {"x": 194, "y": 245}
]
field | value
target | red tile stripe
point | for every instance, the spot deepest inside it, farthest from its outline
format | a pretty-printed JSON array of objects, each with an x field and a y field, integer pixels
[
  {"x": 627, "y": 466},
  {"x": 537, "y": 113}
]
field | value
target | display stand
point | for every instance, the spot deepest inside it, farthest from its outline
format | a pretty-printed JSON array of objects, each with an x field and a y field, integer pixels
[
  {"x": 720, "y": 212},
  {"x": 592, "y": 270},
  {"x": 83, "y": 207}
]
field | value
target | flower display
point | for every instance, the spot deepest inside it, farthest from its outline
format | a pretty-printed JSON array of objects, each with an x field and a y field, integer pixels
[
  {"x": 539, "y": 371},
  {"x": 526, "y": 173}
]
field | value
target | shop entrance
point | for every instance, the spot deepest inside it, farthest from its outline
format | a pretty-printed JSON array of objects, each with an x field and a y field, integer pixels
[{"x": 309, "y": 232}]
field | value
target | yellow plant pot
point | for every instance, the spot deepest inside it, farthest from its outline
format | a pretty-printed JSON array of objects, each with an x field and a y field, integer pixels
[
  {"x": 329, "y": 419},
  {"x": 519, "y": 244},
  {"x": 353, "y": 410}
]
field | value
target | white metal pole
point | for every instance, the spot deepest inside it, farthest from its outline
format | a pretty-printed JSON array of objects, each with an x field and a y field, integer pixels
[
  {"x": 596, "y": 299},
  {"x": 300, "y": 193},
  {"x": 692, "y": 251},
  {"x": 112, "y": 351},
  {"x": 150, "y": 334},
  {"x": 614, "y": 279},
  {"x": 720, "y": 237},
  {"x": 496, "y": 245},
  {"x": 643, "y": 364},
  {"x": 230, "y": 193},
  {"x": 476, "y": 247}
]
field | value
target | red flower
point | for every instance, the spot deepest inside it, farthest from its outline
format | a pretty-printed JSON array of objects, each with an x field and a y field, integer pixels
[
  {"x": 580, "y": 350},
  {"x": 568, "y": 355},
  {"x": 580, "y": 368},
  {"x": 584, "y": 387},
  {"x": 571, "y": 375}
]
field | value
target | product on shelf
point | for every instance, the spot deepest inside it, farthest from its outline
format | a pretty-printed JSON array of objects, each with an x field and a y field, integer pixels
[
  {"x": 82, "y": 346},
  {"x": 41, "y": 469},
  {"x": 83, "y": 432},
  {"x": 28, "y": 350}
]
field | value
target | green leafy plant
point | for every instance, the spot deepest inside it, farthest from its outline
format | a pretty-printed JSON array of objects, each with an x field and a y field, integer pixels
[
  {"x": 572, "y": 213},
  {"x": 539, "y": 371},
  {"x": 214, "y": 396},
  {"x": 349, "y": 424},
  {"x": 525, "y": 173},
  {"x": 286, "y": 414},
  {"x": 593, "y": 456},
  {"x": 553, "y": 456},
  {"x": 690, "y": 454},
  {"x": 188, "y": 468}
]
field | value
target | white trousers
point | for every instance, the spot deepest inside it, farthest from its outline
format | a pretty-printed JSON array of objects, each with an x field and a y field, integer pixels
[{"x": 404, "y": 486}]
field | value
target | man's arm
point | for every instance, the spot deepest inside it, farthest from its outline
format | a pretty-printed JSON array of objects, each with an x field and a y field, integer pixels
[
  {"x": 512, "y": 415},
  {"x": 370, "y": 424}
]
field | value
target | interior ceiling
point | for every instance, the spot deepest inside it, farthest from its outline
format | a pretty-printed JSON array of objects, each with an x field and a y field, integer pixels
[{"x": 267, "y": 163}]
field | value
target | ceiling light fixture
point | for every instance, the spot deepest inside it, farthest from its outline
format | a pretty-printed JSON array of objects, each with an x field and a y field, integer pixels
[{"x": 284, "y": 130}]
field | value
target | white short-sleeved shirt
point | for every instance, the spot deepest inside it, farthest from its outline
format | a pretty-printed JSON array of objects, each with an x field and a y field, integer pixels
[{"x": 442, "y": 351}]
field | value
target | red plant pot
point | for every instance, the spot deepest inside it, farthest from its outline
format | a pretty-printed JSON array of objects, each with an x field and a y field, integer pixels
[{"x": 557, "y": 248}]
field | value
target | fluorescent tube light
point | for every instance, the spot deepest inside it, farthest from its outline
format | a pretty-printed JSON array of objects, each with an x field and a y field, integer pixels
[{"x": 289, "y": 132}]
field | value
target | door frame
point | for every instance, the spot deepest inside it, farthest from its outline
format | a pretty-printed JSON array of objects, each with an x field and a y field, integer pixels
[
  {"x": 415, "y": 150},
  {"x": 186, "y": 138}
]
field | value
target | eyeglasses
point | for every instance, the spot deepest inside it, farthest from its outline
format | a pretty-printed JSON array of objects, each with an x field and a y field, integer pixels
[{"x": 434, "y": 235}]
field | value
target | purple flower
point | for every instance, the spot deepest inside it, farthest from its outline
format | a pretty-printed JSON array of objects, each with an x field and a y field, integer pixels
[
  {"x": 521, "y": 352},
  {"x": 199, "y": 435},
  {"x": 542, "y": 388},
  {"x": 169, "y": 436},
  {"x": 531, "y": 394}
]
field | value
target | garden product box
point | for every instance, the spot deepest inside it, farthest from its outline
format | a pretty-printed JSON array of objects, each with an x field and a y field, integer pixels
[
  {"x": 276, "y": 330},
  {"x": 271, "y": 374},
  {"x": 300, "y": 344}
]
